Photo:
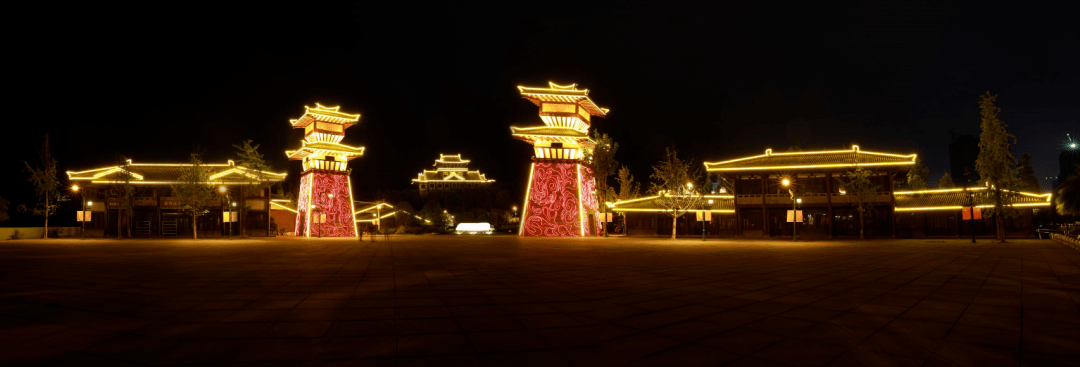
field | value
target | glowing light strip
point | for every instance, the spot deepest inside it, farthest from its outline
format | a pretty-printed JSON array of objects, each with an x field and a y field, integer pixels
[
  {"x": 445, "y": 181},
  {"x": 311, "y": 202},
  {"x": 441, "y": 156},
  {"x": 961, "y": 207},
  {"x": 352, "y": 207},
  {"x": 382, "y": 217},
  {"x": 978, "y": 188},
  {"x": 525, "y": 208},
  {"x": 121, "y": 170},
  {"x": 810, "y": 166},
  {"x": 380, "y": 205},
  {"x": 665, "y": 211},
  {"x": 171, "y": 182},
  {"x": 580, "y": 204},
  {"x": 854, "y": 149},
  {"x": 654, "y": 197},
  {"x": 283, "y": 207}
]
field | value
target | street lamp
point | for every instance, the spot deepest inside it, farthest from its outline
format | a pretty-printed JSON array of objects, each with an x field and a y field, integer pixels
[
  {"x": 794, "y": 211},
  {"x": 704, "y": 230},
  {"x": 224, "y": 195},
  {"x": 82, "y": 219},
  {"x": 231, "y": 219}
]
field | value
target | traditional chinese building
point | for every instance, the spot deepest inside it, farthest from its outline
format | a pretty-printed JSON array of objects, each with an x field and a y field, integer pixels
[
  {"x": 155, "y": 211},
  {"x": 759, "y": 201},
  {"x": 325, "y": 205},
  {"x": 559, "y": 199},
  {"x": 451, "y": 173}
]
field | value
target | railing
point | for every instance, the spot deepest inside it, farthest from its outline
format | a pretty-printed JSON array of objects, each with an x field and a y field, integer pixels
[
  {"x": 168, "y": 228},
  {"x": 1065, "y": 240}
]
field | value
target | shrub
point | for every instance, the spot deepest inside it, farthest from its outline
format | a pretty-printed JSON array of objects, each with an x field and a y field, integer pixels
[{"x": 14, "y": 235}]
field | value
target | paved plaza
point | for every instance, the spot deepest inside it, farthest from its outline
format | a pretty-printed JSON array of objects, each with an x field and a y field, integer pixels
[{"x": 510, "y": 301}]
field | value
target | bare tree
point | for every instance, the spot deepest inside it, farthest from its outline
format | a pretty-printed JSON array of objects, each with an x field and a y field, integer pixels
[
  {"x": 46, "y": 186},
  {"x": 675, "y": 184},
  {"x": 194, "y": 191}
]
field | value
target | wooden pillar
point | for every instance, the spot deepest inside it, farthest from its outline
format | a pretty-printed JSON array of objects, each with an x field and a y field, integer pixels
[
  {"x": 892, "y": 204},
  {"x": 828, "y": 203},
  {"x": 157, "y": 197},
  {"x": 268, "y": 234},
  {"x": 764, "y": 211},
  {"x": 960, "y": 219}
]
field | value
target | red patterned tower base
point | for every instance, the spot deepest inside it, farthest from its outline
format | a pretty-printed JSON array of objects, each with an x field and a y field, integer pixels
[
  {"x": 325, "y": 205},
  {"x": 326, "y": 194},
  {"x": 560, "y": 200}
]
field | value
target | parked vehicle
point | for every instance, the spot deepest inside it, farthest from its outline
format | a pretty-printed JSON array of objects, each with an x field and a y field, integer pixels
[{"x": 473, "y": 228}]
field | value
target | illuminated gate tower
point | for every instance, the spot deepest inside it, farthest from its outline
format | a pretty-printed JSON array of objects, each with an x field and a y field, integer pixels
[
  {"x": 559, "y": 198},
  {"x": 325, "y": 187}
]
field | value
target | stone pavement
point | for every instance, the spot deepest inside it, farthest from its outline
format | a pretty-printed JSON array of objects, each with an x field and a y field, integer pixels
[{"x": 503, "y": 300}]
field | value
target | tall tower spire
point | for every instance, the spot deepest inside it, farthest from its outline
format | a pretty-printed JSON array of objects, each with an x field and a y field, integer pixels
[
  {"x": 325, "y": 206},
  {"x": 559, "y": 200}
]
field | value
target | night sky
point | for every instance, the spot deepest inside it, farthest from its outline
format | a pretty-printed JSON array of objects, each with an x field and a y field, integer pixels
[{"x": 715, "y": 82}]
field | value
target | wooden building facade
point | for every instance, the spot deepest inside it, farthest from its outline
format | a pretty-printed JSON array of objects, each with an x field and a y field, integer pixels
[
  {"x": 759, "y": 201},
  {"x": 156, "y": 212}
]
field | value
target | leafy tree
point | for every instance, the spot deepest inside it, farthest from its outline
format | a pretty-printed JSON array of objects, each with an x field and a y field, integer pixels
[
  {"x": 46, "y": 186},
  {"x": 194, "y": 191},
  {"x": 675, "y": 181},
  {"x": 1028, "y": 181},
  {"x": 859, "y": 186},
  {"x": 601, "y": 160},
  {"x": 404, "y": 214},
  {"x": 996, "y": 164},
  {"x": 916, "y": 177},
  {"x": 946, "y": 182},
  {"x": 628, "y": 189},
  {"x": 1067, "y": 200},
  {"x": 432, "y": 214},
  {"x": 4, "y": 217},
  {"x": 123, "y": 191},
  {"x": 249, "y": 158}
]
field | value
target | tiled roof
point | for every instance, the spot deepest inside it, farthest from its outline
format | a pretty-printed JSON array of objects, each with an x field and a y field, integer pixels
[
  {"x": 165, "y": 173},
  {"x": 462, "y": 175},
  {"x": 812, "y": 160},
  {"x": 953, "y": 198},
  {"x": 720, "y": 203},
  {"x": 559, "y": 93}
]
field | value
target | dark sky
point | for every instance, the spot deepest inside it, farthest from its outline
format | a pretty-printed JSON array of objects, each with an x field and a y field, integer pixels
[{"x": 716, "y": 82}]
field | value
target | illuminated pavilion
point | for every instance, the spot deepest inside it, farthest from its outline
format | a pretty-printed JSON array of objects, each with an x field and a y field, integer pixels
[
  {"x": 325, "y": 186},
  {"x": 451, "y": 173},
  {"x": 759, "y": 202},
  {"x": 559, "y": 199}
]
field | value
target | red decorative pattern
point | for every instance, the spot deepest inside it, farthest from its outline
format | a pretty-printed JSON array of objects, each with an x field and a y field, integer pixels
[
  {"x": 588, "y": 200},
  {"x": 552, "y": 207},
  {"x": 339, "y": 216},
  {"x": 302, "y": 206}
]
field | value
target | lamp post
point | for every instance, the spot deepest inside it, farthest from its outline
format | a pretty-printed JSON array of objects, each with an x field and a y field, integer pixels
[
  {"x": 707, "y": 204},
  {"x": 794, "y": 211},
  {"x": 231, "y": 219},
  {"x": 224, "y": 192},
  {"x": 82, "y": 218}
]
